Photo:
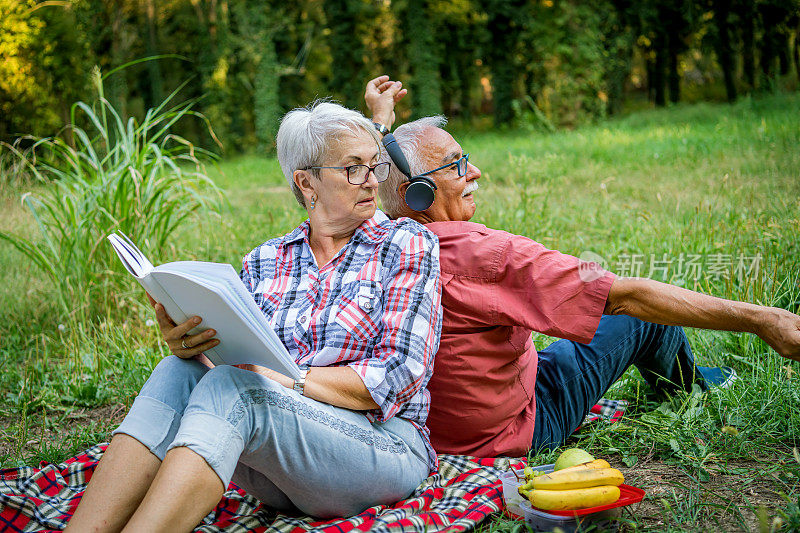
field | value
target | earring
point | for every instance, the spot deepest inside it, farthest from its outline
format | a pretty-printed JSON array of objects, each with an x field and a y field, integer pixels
[{"x": 313, "y": 202}]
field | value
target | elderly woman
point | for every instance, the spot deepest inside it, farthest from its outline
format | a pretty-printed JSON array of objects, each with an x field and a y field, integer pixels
[{"x": 355, "y": 298}]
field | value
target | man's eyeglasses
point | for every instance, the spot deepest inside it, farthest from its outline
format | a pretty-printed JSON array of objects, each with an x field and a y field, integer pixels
[
  {"x": 359, "y": 174},
  {"x": 460, "y": 164}
]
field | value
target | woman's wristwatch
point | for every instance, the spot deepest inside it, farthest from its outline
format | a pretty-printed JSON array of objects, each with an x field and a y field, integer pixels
[
  {"x": 300, "y": 383},
  {"x": 383, "y": 130}
]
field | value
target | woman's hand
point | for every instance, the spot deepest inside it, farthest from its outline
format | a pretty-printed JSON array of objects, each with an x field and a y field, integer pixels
[
  {"x": 381, "y": 96},
  {"x": 175, "y": 335}
]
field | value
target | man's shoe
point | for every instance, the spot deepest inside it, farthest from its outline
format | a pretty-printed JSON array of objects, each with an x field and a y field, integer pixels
[{"x": 718, "y": 377}]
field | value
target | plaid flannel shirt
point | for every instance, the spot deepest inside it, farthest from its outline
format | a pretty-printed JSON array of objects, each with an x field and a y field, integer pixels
[{"x": 375, "y": 307}]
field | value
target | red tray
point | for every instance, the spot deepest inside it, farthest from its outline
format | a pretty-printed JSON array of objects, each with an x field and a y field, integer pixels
[{"x": 628, "y": 495}]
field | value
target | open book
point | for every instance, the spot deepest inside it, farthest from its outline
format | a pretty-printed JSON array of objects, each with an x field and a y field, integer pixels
[{"x": 214, "y": 292}]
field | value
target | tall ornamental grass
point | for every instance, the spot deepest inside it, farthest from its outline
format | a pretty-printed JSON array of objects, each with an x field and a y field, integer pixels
[{"x": 132, "y": 176}]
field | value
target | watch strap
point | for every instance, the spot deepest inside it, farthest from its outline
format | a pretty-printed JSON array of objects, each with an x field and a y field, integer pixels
[
  {"x": 383, "y": 130},
  {"x": 299, "y": 384}
]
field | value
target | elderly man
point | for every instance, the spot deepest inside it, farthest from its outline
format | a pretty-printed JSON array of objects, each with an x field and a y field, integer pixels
[{"x": 491, "y": 393}]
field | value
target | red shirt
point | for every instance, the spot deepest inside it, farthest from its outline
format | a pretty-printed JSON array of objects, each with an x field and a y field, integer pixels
[{"x": 497, "y": 288}]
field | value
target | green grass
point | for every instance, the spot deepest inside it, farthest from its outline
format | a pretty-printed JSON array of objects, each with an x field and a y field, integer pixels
[{"x": 712, "y": 181}]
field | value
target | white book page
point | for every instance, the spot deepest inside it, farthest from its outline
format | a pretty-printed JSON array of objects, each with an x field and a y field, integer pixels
[
  {"x": 240, "y": 342},
  {"x": 229, "y": 278},
  {"x": 140, "y": 267},
  {"x": 214, "y": 292},
  {"x": 225, "y": 280}
]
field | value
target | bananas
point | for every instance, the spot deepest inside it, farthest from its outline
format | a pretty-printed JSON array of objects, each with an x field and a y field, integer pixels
[
  {"x": 585, "y": 485},
  {"x": 597, "y": 463},
  {"x": 563, "y": 500},
  {"x": 578, "y": 479}
]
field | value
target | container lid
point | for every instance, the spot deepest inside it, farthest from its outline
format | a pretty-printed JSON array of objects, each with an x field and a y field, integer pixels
[{"x": 628, "y": 495}]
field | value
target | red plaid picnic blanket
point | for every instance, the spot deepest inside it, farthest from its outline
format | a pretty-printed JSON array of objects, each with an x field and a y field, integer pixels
[
  {"x": 464, "y": 492},
  {"x": 460, "y": 495},
  {"x": 608, "y": 410}
]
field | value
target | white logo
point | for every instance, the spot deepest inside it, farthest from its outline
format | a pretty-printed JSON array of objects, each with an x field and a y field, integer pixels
[{"x": 591, "y": 266}]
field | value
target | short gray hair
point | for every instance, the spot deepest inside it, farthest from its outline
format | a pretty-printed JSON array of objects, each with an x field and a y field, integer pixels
[
  {"x": 409, "y": 137},
  {"x": 307, "y": 133}
]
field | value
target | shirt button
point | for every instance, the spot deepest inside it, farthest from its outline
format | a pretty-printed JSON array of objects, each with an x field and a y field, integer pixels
[{"x": 303, "y": 319}]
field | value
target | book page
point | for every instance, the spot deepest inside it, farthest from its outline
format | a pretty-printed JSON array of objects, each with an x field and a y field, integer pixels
[
  {"x": 140, "y": 267},
  {"x": 227, "y": 275},
  {"x": 239, "y": 342}
]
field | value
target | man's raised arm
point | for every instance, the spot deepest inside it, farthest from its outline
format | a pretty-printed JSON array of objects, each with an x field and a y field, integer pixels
[{"x": 381, "y": 95}]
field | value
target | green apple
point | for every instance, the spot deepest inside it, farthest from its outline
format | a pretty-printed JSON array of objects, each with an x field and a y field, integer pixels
[{"x": 572, "y": 457}]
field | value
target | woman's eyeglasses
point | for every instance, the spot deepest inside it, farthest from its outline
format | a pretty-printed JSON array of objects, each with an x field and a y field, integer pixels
[{"x": 359, "y": 174}]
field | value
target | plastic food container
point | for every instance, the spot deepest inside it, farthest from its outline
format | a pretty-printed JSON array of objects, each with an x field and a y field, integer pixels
[{"x": 569, "y": 521}]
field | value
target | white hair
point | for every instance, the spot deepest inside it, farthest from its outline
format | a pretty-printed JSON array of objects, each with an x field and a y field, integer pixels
[
  {"x": 409, "y": 138},
  {"x": 307, "y": 134}
]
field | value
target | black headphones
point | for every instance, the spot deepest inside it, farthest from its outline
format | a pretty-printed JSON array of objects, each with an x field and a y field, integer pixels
[{"x": 421, "y": 189}]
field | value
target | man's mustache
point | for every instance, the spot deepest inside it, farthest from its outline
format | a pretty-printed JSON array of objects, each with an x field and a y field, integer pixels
[{"x": 470, "y": 188}]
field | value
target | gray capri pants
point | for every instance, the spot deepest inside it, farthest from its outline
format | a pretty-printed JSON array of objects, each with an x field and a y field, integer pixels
[{"x": 291, "y": 452}]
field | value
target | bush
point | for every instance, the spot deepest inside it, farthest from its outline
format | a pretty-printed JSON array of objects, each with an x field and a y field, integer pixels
[{"x": 129, "y": 176}]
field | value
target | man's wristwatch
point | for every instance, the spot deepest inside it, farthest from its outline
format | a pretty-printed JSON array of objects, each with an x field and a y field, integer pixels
[
  {"x": 381, "y": 128},
  {"x": 300, "y": 383}
]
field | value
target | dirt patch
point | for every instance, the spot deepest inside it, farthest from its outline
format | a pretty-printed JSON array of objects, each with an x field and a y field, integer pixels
[
  {"x": 737, "y": 496},
  {"x": 54, "y": 430}
]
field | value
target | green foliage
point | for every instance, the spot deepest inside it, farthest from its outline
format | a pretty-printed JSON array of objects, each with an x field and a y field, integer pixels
[
  {"x": 36, "y": 79},
  {"x": 528, "y": 116},
  {"x": 789, "y": 516},
  {"x": 256, "y": 39},
  {"x": 15, "y": 167},
  {"x": 135, "y": 177},
  {"x": 505, "y": 28},
  {"x": 345, "y": 19},
  {"x": 423, "y": 57},
  {"x": 568, "y": 74},
  {"x": 252, "y": 61}
]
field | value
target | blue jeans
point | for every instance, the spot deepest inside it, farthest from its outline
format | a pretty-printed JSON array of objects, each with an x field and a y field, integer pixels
[
  {"x": 572, "y": 376},
  {"x": 289, "y": 451}
]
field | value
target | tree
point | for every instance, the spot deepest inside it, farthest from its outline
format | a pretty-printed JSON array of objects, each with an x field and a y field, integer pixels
[
  {"x": 619, "y": 26},
  {"x": 721, "y": 36},
  {"x": 256, "y": 26},
  {"x": 156, "y": 79},
  {"x": 43, "y": 66},
  {"x": 504, "y": 34},
  {"x": 667, "y": 26},
  {"x": 347, "y": 49},
  {"x": 421, "y": 46},
  {"x": 775, "y": 17},
  {"x": 747, "y": 16},
  {"x": 796, "y": 47}
]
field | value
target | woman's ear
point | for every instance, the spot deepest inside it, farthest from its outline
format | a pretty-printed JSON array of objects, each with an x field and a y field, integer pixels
[{"x": 304, "y": 182}]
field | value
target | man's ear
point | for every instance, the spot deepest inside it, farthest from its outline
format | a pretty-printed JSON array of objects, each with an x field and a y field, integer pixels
[
  {"x": 304, "y": 181},
  {"x": 401, "y": 190}
]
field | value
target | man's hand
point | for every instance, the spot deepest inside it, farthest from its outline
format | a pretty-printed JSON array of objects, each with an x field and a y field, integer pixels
[
  {"x": 381, "y": 96},
  {"x": 175, "y": 335},
  {"x": 781, "y": 330}
]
